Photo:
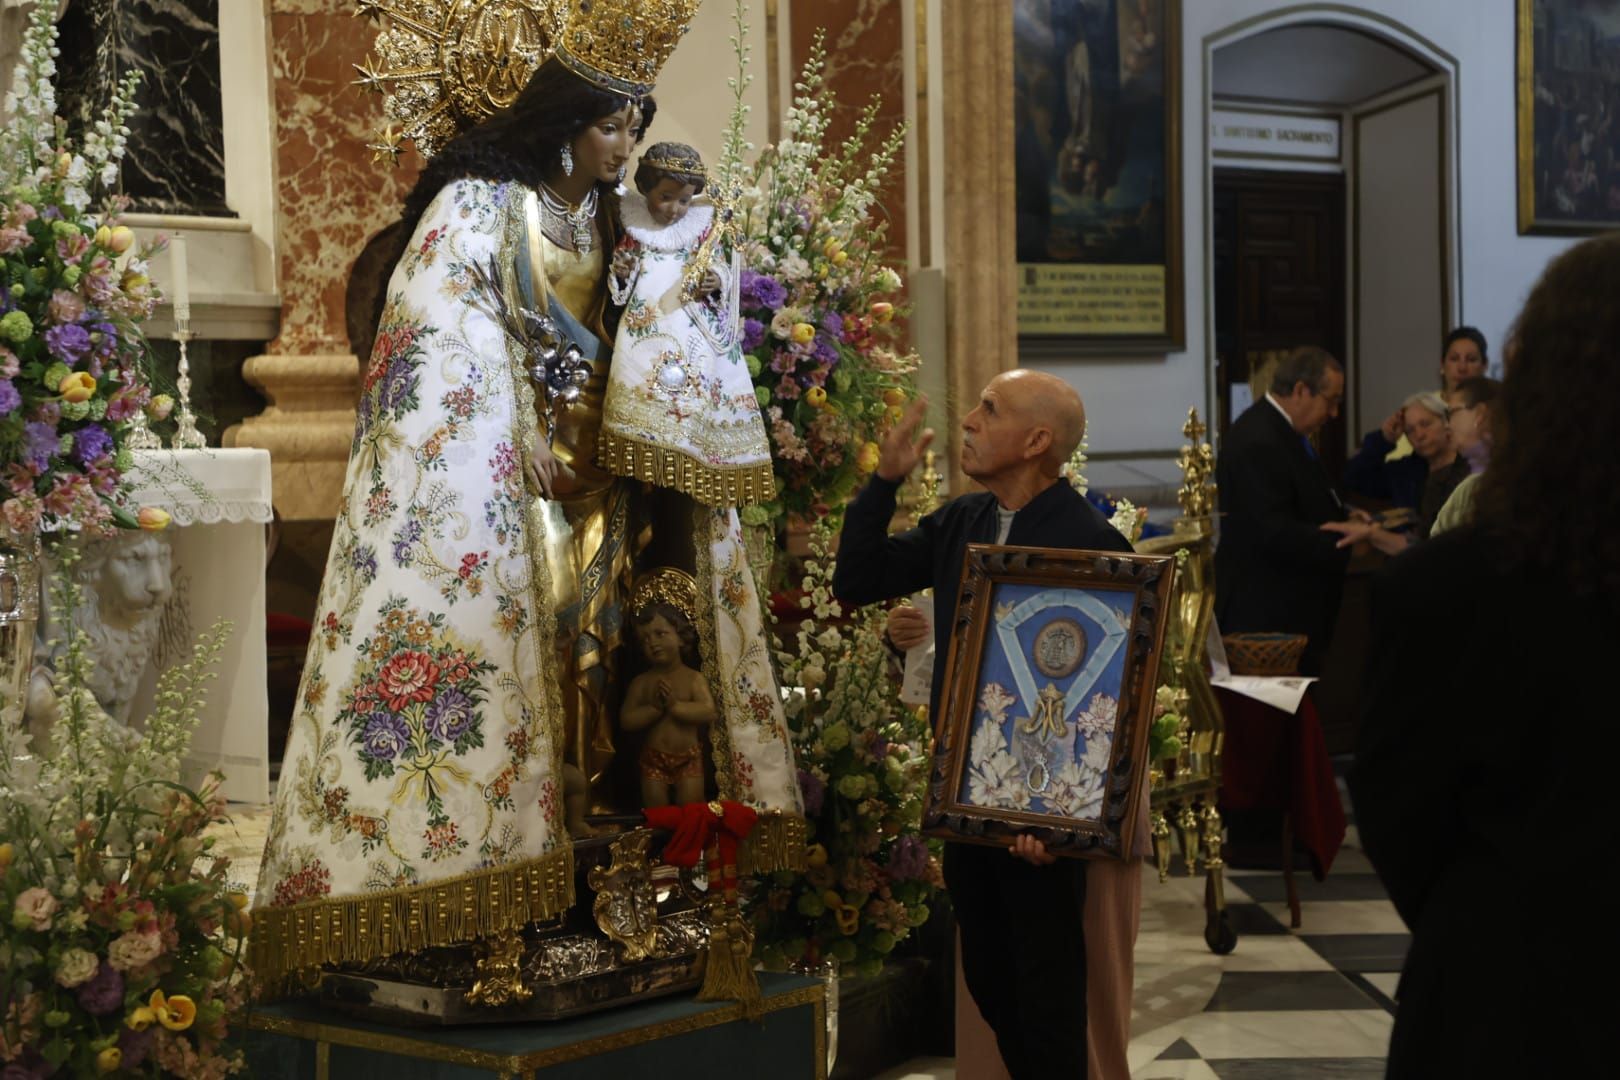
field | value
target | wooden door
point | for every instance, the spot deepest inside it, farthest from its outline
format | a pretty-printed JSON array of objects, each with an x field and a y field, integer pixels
[{"x": 1279, "y": 280}]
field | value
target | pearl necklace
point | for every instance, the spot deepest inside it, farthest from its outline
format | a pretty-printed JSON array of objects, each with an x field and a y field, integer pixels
[{"x": 569, "y": 218}]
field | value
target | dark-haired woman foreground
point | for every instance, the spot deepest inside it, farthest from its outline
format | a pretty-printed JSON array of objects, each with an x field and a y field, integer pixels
[{"x": 1478, "y": 796}]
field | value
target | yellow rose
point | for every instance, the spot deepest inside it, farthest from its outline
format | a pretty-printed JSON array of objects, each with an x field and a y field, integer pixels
[
  {"x": 815, "y": 397},
  {"x": 803, "y": 333},
  {"x": 77, "y": 386},
  {"x": 108, "y": 1060},
  {"x": 882, "y": 311},
  {"x": 152, "y": 518},
  {"x": 866, "y": 459},
  {"x": 140, "y": 1018},
  {"x": 120, "y": 240},
  {"x": 175, "y": 1013}
]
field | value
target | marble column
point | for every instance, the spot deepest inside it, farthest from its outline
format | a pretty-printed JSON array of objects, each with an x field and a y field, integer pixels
[
  {"x": 176, "y": 159},
  {"x": 981, "y": 295},
  {"x": 332, "y": 197}
]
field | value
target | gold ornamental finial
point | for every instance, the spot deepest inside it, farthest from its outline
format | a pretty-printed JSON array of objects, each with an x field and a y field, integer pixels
[
  {"x": 442, "y": 66},
  {"x": 1197, "y": 462},
  {"x": 621, "y": 45}
]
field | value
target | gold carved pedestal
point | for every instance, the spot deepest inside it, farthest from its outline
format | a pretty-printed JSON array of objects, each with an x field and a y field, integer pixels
[{"x": 1186, "y": 786}]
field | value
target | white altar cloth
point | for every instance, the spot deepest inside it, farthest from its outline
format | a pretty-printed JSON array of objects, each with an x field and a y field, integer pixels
[{"x": 220, "y": 503}]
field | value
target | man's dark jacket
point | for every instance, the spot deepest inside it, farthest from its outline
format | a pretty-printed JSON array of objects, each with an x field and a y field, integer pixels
[
  {"x": 1023, "y": 953},
  {"x": 1275, "y": 569}
]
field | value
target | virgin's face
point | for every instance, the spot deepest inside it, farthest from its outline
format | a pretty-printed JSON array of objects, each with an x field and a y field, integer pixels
[
  {"x": 601, "y": 150},
  {"x": 1462, "y": 361}
]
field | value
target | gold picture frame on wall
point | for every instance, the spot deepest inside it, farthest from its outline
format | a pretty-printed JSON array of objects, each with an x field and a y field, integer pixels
[
  {"x": 1097, "y": 107},
  {"x": 1568, "y": 148}
]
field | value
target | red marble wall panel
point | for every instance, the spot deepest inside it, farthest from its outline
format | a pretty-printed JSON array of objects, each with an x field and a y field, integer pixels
[
  {"x": 332, "y": 197},
  {"x": 864, "y": 57}
]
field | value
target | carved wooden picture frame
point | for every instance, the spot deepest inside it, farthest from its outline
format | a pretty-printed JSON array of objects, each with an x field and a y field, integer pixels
[{"x": 1048, "y": 697}]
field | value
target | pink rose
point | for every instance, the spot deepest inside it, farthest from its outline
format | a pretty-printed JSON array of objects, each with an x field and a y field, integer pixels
[
  {"x": 34, "y": 909},
  {"x": 66, "y": 307}
]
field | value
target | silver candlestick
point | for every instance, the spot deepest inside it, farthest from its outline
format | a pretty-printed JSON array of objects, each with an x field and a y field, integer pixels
[{"x": 186, "y": 435}]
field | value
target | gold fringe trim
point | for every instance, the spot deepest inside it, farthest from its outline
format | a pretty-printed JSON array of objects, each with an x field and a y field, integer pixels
[
  {"x": 713, "y": 485},
  {"x": 777, "y": 842},
  {"x": 289, "y": 942}
]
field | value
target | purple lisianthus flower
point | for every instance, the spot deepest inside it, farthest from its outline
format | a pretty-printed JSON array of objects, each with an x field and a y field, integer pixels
[
  {"x": 39, "y": 445},
  {"x": 10, "y": 400},
  {"x": 69, "y": 343},
  {"x": 753, "y": 333},
  {"x": 908, "y": 859},
  {"x": 105, "y": 337},
  {"x": 135, "y": 1045},
  {"x": 450, "y": 715},
  {"x": 91, "y": 443},
  {"x": 833, "y": 323},
  {"x": 814, "y": 790},
  {"x": 825, "y": 352},
  {"x": 103, "y": 992},
  {"x": 761, "y": 290},
  {"x": 385, "y": 736}
]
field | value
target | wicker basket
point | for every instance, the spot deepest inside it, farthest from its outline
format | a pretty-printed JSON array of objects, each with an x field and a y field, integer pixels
[{"x": 1264, "y": 654}]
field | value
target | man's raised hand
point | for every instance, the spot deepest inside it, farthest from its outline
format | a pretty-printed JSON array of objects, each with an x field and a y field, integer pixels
[{"x": 899, "y": 453}]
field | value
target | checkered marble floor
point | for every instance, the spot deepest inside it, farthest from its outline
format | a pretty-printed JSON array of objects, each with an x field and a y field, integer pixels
[{"x": 1284, "y": 1005}]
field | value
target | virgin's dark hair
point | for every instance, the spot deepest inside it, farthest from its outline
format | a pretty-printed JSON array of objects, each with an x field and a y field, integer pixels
[
  {"x": 1466, "y": 333},
  {"x": 522, "y": 142},
  {"x": 1547, "y": 496}
]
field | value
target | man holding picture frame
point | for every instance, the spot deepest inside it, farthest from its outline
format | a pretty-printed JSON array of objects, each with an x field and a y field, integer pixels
[{"x": 1020, "y": 912}]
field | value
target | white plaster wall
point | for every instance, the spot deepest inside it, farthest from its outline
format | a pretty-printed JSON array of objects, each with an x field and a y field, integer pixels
[
  {"x": 1137, "y": 404},
  {"x": 1400, "y": 318},
  {"x": 694, "y": 100}
]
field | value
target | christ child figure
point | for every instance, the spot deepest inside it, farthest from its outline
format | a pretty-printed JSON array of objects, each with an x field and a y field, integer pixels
[{"x": 672, "y": 703}]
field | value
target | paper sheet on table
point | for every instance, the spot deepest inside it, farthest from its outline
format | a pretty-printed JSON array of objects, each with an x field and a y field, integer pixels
[
  {"x": 918, "y": 681},
  {"x": 1283, "y": 692}
]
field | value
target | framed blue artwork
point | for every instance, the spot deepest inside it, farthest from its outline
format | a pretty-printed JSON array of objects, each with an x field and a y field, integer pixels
[{"x": 1048, "y": 698}]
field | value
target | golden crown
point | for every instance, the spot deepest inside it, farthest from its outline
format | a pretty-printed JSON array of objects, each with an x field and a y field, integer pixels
[
  {"x": 621, "y": 45},
  {"x": 675, "y": 158},
  {"x": 665, "y": 585},
  {"x": 443, "y": 66}
]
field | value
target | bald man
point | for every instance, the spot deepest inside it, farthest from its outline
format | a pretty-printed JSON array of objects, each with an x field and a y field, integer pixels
[{"x": 1019, "y": 912}]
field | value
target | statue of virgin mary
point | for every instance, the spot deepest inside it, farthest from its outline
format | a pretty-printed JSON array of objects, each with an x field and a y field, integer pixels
[{"x": 469, "y": 621}]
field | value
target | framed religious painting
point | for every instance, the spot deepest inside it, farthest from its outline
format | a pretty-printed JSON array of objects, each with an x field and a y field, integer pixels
[
  {"x": 1569, "y": 138},
  {"x": 1097, "y": 110},
  {"x": 1048, "y": 697}
]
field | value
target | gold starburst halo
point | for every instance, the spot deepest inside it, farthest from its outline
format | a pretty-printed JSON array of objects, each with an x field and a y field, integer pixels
[
  {"x": 621, "y": 45},
  {"x": 665, "y": 585},
  {"x": 444, "y": 65}
]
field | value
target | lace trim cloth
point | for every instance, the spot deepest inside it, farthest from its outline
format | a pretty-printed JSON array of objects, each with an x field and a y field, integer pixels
[{"x": 204, "y": 487}]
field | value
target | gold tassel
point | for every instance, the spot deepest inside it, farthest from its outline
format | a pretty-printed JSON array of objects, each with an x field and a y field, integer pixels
[
  {"x": 713, "y": 485},
  {"x": 777, "y": 842},
  {"x": 728, "y": 975},
  {"x": 289, "y": 945}
]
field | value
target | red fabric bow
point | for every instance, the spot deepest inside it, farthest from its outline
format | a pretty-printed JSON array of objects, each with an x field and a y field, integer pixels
[{"x": 697, "y": 825}]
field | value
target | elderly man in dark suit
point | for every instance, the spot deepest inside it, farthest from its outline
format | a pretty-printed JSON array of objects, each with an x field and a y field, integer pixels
[
  {"x": 1020, "y": 918},
  {"x": 1278, "y": 566}
]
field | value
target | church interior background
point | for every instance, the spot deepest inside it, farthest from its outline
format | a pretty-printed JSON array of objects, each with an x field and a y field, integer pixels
[{"x": 1337, "y": 174}]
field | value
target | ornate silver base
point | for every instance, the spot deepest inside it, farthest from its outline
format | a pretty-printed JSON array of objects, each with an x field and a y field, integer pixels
[{"x": 648, "y": 939}]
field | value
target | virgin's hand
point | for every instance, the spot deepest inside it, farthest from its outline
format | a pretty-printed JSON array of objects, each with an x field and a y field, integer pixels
[
  {"x": 710, "y": 283},
  {"x": 1031, "y": 850},
  {"x": 908, "y": 627},
  {"x": 899, "y": 453},
  {"x": 546, "y": 473}
]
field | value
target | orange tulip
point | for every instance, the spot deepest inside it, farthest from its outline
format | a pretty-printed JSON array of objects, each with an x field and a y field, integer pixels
[
  {"x": 175, "y": 1013},
  {"x": 882, "y": 311}
]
